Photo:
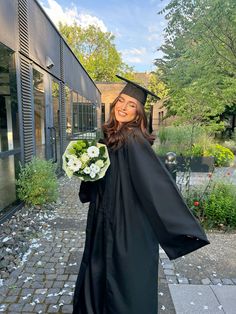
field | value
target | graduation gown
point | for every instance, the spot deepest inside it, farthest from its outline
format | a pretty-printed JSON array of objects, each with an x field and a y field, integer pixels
[{"x": 132, "y": 210}]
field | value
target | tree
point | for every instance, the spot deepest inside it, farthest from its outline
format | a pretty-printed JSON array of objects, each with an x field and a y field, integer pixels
[
  {"x": 96, "y": 51},
  {"x": 199, "y": 60}
]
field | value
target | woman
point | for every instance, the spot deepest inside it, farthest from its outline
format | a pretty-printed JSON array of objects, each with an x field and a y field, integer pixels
[{"x": 132, "y": 209}]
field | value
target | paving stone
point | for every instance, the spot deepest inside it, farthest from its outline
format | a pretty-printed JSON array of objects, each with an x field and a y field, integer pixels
[
  {"x": 38, "y": 285},
  {"x": 216, "y": 281},
  {"x": 58, "y": 284},
  {"x": 14, "y": 291},
  {"x": 51, "y": 277},
  {"x": 11, "y": 299},
  {"x": 226, "y": 296},
  {"x": 171, "y": 279},
  {"x": 196, "y": 299},
  {"x": 49, "y": 271},
  {"x": 169, "y": 272},
  {"x": 52, "y": 300},
  {"x": 67, "y": 309},
  {"x": 227, "y": 281},
  {"x": 182, "y": 280},
  {"x": 62, "y": 277},
  {"x": 206, "y": 281},
  {"x": 39, "y": 298},
  {"x": 53, "y": 308},
  {"x": 15, "y": 308},
  {"x": 60, "y": 271},
  {"x": 73, "y": 278},
  {"x": 42, "y": 308},
  {"x": 41, "y": 291},
  {"x": 28, "y": 308},
  {"x": 49, "y": 284},
  {"x": 27, "y": 291},
  {"x": 26, "y": 285},
  {"x": 65, "y": 299},
  {"x": 168, "y": 266}
]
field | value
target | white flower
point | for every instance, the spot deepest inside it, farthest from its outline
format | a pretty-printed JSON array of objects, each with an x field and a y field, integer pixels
[
  {"x": 94, "y": 168},
  {"x": 74, "y": 164},
  {"x": 84, "y": 158},
  {"x": 87, "y": 170},
  {"x": 92, "y": 174},
  {"x": 99, "y": 163},
  {"x": 93, "y": 151}
]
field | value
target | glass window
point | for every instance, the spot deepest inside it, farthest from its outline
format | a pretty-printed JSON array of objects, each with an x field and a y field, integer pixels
[
  {"x": 9, "y": 168},
  {"x": 103, "y": 114},
  {"x": 9, "y": 128},
  {"x": 9, "y": 115},
  {"x": 56, "y": 120},
  {"x": 68, "y": 113},
  {"x": 39, "y": 113}
]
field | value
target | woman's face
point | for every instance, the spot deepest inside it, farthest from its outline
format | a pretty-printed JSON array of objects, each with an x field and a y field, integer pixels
[{"x": 126, "y": 108}]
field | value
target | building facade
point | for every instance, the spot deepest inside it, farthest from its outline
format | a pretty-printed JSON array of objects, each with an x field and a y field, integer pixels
[{"x": 46, "y": 96}]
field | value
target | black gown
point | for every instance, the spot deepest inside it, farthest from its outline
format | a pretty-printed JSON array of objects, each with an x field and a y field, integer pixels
[{"x": 132, "y": 209}]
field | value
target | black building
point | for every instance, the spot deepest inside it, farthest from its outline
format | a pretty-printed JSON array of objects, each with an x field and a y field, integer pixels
[{"x": 46, "y": 96}]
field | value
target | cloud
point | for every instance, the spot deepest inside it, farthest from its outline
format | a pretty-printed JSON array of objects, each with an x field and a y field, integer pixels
[
  {"x": 153, "y": 37},
  {"x": 134, "y": 55},
  {"x": 70, "y": 15},
  {"x": 132, "y": 59},
  {"x": 134, "y": 51}
]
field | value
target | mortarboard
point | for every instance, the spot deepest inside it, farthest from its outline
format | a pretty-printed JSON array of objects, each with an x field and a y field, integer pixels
[{"x": 136, "y": 91}]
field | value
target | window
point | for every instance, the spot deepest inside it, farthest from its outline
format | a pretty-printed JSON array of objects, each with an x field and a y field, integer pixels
[
  {"x": 9, "y": 128},
  {"x": 39, "y": 113},
  {"x": 68, "y": 112},
  {"x": 103, "y": 114}
]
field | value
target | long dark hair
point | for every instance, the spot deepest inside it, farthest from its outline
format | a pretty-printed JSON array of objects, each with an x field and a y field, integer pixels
[{"x": 116, "y": 136}]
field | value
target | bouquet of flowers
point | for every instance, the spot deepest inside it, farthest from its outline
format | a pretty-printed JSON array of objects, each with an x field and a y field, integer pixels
[{"x": 85, "y": 159}]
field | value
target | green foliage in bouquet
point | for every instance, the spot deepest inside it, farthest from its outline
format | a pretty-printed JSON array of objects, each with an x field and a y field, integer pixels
[{"x": 37, "y": 182}]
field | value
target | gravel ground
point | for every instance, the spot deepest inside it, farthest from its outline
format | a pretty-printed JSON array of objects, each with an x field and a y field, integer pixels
[{"x": 214, "y": 261}]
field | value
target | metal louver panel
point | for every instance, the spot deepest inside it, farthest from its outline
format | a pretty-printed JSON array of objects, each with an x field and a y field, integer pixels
[
  {"x": 23, "y": 26},
  {"x": 63, "y": 117},
  {"x": 62, "y": 60},
  {"x": 26, "y": 97}
]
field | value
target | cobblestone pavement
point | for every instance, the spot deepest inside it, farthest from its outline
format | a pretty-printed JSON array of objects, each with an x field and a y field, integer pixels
[
  {"x": 44, "y": 280},
  {"x": 213, "y": 264}
]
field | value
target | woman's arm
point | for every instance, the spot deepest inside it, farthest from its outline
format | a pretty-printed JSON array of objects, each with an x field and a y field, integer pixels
[
  {"x": 177, "y": 230},
  {"x": 87, "y": 192}
]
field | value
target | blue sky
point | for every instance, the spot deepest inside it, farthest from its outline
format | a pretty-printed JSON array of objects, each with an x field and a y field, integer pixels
[{"x": 137, "y": 27}]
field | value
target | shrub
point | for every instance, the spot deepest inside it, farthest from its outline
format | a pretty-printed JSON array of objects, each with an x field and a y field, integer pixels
[
  {"x": 231, "y": 144},
  {"x": 220, "y": 206},
  {"x": 223, "y": 156},
  {"x": 37, "y": 182},
  {"x": 183, "y": 140},
  {"x": 214, "y": 207}
]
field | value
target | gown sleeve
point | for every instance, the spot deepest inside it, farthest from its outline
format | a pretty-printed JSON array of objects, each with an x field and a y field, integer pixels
[
  {"x": 87, "y": 192},
  {"x": 176, "y": 229}
]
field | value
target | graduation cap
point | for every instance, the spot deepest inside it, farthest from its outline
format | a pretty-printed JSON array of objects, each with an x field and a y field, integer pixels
[{"x": 136, "y": 91}]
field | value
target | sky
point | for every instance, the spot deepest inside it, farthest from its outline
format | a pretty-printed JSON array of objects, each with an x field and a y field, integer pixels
[{"x": 137, "y": 27}]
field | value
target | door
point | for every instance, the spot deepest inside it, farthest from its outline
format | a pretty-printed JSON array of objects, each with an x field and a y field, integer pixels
[
  {"x": 46, "y": 94},
  {"x": 54, "y": 127}
]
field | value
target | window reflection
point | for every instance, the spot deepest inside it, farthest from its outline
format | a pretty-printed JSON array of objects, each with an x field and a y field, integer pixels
[
  {"x": 68, "y": 112},
  {"x": 9, "y": 128},
  {"x": 9, "y": 167},
  {"x": 56, "y": 121},
  {"x": 39, "y": 113},
  {"x": 9, "y": 117}
]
